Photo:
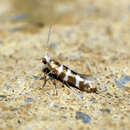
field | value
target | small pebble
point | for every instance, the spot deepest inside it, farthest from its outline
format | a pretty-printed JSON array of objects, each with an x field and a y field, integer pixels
[
  {"x": 53, "y": 45},
  {"x": 28, "y": 128},
  {"x": 121, "y": 81},
  {"x": 18, "y": 17},
  {"x": 17, "y": 28},
  {"x": 2, "y": 96},
  {"x": 63, "y": 117},
  {"x": 19, "y": 121},
  {"x": 35, "y": 77},
  {"x": 28, "y": 100},
  {"x": 62, "y": 9},
  {"x": 106, "y": 110},
  {"x": 119, "y": 85},
  {"x": 82, "y": 116},
  {"x": 74, "y": 57},
  {"x": 93, "y": 99},
  {"x": 7, "y": 87},
  {"x": 124, "y": 79},
  {"x": 103, "y": 88},
  {"x": 51, "y": 104}
]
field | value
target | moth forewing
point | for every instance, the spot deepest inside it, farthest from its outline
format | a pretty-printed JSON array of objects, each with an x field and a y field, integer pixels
[{"x": 54, "y": 70}]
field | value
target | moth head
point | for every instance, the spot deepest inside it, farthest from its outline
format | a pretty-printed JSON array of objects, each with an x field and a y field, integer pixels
[{"x": 46, "y": 60}]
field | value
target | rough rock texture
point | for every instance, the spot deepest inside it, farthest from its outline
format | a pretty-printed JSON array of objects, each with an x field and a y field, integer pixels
[{"x": 92, "y": 38}]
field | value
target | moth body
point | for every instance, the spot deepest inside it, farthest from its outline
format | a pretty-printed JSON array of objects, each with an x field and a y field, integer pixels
[{"x": 56, "y": 71}]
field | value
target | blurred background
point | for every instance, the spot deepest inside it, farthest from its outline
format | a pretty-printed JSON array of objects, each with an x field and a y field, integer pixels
[{"x": 43, "y": 12}]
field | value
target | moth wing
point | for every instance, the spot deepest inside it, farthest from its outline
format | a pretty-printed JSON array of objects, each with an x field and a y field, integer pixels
[{"x": 87, "y": 77}]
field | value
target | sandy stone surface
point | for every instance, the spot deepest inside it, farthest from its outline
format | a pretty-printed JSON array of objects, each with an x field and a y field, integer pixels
[{"x": 93, "y": 39}]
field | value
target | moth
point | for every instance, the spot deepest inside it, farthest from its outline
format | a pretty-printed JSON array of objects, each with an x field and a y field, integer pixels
[{"x": 54, "y": 71}]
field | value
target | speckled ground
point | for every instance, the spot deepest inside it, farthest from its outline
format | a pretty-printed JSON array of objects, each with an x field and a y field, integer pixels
[{"x": 97, "y": 44}]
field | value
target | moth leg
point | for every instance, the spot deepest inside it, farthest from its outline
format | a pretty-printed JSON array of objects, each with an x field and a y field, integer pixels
[
  {"x": 73, "y": 90},
  {"x": 45, "y": 78},
  {"x": 54, "y": 83},
  {"x": 67, "y": 85}
]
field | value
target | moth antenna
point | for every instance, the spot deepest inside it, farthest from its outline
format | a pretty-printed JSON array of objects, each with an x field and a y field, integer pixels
[{"x": 48, "y": 39}]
